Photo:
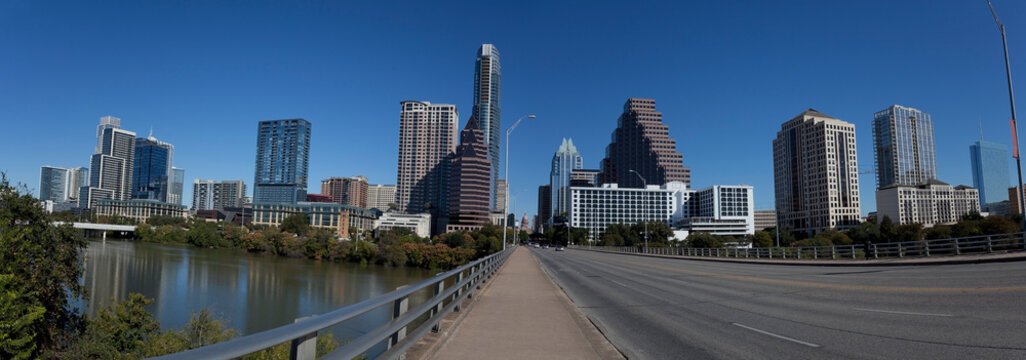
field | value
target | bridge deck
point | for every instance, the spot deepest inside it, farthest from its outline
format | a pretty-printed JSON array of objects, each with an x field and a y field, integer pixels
[{"x": 524, "y": 315}]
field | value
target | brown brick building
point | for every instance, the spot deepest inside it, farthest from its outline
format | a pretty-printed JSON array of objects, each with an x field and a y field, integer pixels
[
  {"x": 346, "y": 191},
  {"x": 470, "y": 183},
  {"x": 641, "y": 142}
]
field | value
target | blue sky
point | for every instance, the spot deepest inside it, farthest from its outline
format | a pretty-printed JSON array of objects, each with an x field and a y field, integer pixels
[{"x": 725, "y": 74}]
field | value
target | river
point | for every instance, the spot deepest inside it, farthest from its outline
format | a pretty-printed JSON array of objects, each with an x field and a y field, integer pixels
[{"x": 251, "y": 292}]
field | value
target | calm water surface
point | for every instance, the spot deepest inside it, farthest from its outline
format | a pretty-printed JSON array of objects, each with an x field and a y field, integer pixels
[{"x": 252, "y": 292}]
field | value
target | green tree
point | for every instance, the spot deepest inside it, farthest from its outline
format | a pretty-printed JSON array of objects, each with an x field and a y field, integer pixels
[
  {"x": 888, "y": 232},
  {"x": 866, "y": 231},
  {"x": 762, "y": 239},
  {"x": 204, "y": 234},
  {"x": 938, "y": 232},
  {"x": 295, "y": 223},
  {"x": 120, "y": 329},
  {"x": 611, "y": 239},
  {"x": 998, "y": 225},
  {"x": 908, "y": 232},
  {"x": 17, "y": 314},
  {"x": 658, "y": 232},
  {"x": 703, "y": 240},
  {"x": 786, "y": 236}
]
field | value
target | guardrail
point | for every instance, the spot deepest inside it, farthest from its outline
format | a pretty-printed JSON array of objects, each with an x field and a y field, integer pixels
[
  {"x": 954, "y": 246},
  {"x": 393, "y": 331}
]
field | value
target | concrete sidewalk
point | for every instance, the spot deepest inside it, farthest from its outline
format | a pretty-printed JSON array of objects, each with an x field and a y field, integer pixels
[{"x": 524, "y": 315}]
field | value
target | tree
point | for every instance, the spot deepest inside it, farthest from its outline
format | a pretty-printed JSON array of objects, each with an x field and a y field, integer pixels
[
  {"x": 658, "y": 232},
  {"x": 887, "y": 230},
  {"x": 703, "y": 240},
  {"x": 611, "y": 239},
  {"x": 204, "y": 234},
  {"x": 998, "y": 225},
  {"x": 762, "y": 239},
  {"x": 17, "y": 314},
  {"x": 295, "y": 223},
  {"x": 121, "y": 328},
  {"x": 786, "y": 236},
  {"x": 867, "y": 231}
]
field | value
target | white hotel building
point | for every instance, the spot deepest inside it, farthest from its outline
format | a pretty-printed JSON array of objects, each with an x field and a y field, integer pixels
[
  {"x": 718, "y": 209},
  {"x": 932, "y": 203}
]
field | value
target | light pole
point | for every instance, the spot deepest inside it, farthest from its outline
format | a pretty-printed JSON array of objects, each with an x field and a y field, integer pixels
[
  {"x": 645, "y": 183},
  {"x": 505, "y": 205},
  {"x": 1011, "y": 101}
]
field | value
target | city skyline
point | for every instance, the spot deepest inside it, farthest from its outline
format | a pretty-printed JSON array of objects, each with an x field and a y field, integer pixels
[{"x": 578, "y": 101}]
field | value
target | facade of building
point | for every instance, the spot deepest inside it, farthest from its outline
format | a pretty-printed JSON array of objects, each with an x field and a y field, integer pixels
[
  {"x": 903, "y": 147},
  {"x": 584, "y": 177},
  {"x": 346, "y": 190},
  {"x": 427, "y": 141},
  {"x": 544, "y": 208},
  {"x": 932, "y": 203},
  {"x": 487, "y": 80},
  {"x": 470, "y": 185},
  {"x": 322, "y": 215},
  {"x": 815, "y": 172},
  {"x": 765, "y": 219},
  {"x": 61, "y": 185},
  {"x": 418, "y": 223},
  {"x": 110, "y": 175},
  {"x": 177, "y": 186},
  {"x": 1014, "y": 206},
  {"x": 140, "y": 209},
  {"x": 217, "y": 195},
  {"x": 318, "y": 198},
  {"x": 565, "y": 160},
  {"x": 151, "y": 174},
  {"x": 641, "y": 142},
  {"x": 283, "y": 156},
  {"x": 719, "y": 209},
  {"x": 990, "y": 171},
  {"x": 380, "y": 196},
  {"x": 500, "y": 195}
]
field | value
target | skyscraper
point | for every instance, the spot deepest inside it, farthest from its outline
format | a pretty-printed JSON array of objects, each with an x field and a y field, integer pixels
[
  {"x": 380, "y": 196},
  {"x": 815, "y": 173},
  {"x": 177, "y": 186},
  {"x": 346, "y": 191},
  {"x": 283, "y": 154},
  {"x": 544, "y": 208},
  {"x": 641, "y": 142},
  {"x": 500, "y": 195},
  {"x": 468, "y": 206},
  {"x": 217, "y": 195},
  {"x": 110, "y": 175},
  {"x": 565, "y": 160},
  {"x": 903, "y": 147},
  {"x": 151, "y": 174},
  {"x": 487, "y": 77},
  {"x": 427, "y": 140},
  {"x": 55, "y": 184},
  {"x": 990, "y": 171}
]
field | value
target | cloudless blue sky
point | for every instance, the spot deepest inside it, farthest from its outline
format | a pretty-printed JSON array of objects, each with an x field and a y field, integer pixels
[{"x": 725, "y": 75}]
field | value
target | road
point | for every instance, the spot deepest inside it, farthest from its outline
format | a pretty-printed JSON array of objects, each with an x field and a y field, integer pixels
[{"x": 652, "y": 308}]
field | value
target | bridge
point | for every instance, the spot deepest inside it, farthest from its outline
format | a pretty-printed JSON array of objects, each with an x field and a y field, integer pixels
[{"x": 100, "y": 227}]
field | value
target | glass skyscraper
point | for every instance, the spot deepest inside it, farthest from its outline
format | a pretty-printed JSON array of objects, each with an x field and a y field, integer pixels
[
  {"x": 283, "y": 153},
  {"x": 110, "y": 175},
  {"x": 152, "y": 169},
  {"x": 903, "y": 147},
  {"x": 990, "y": 171},
  {"x": 174, "y": 192},
  {"x": 487, "y": 76},
  {"x": 565, "y": 159}
]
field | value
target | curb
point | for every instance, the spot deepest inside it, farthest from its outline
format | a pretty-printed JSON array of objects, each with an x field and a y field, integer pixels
[{"x": 947, "y": 260}]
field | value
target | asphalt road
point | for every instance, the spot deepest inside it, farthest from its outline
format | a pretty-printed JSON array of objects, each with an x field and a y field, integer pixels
[{"x": 653, "y": 308}]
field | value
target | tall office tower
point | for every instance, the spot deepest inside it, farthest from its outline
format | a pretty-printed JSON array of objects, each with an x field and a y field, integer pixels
[
  {"x": 380, "y": 196},
  {"x": 177, "y": 186},
  {"x": 903, "y": 147},
  {"x": 641, "y": 142},
  {"x": 427, "y": 140},
  {"x": 816, "y": 174},
  {"x": 110, "y": 175},
  {"x": 346, "y": 191},
  {"x": 55, "y": 184},
  {"x": 500, "y": 195},
  {"x": 565, "y": 160},
  {"x": 151, "y": 174},
  {"x": 283, "y": 154},
  {"x": 487, "y": 77},
  {"x": 217, "y": 195},
  {"x": 544, "y": 208},
  {"x": 990, "y": 171},
  {"x": 79, "y": 178},
  {"x": 468, "y": 205}
]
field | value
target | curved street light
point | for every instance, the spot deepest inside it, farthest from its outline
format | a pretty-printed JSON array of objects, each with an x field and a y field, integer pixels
[{"x": 505, "y": 205}]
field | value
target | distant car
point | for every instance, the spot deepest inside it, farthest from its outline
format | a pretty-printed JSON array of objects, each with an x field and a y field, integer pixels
[
  {"x": 546, "y": 246},
  {"x": 536, "y": 245},
  {"x": 560, "y": 248}
]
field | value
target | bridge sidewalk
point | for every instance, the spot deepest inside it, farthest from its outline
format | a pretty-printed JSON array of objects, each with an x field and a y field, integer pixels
[{"x": 524, "y": 315}]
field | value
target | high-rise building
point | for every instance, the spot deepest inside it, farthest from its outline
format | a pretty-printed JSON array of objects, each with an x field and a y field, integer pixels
[
  {"x": 500, "y": 195},
  {"x": 565, "y": 160},
  {"x": 174, "y": 195},
  {"x": 487, "y": 77},
  {"x": 61, "y": 185},
  {"x": 468, "y": 206},
  {"x": 990, "y": 171},
  {"x": 584, "y": 177},
  {"x": 903, "y": 147},
  {"x": 427, "y": 140},
  {"x": 544, "y": 208},
  {"x": 110, "y": 175},
  {"x": 380, "y": 196},
  {"x": 641, "y": 142},
  {"x": 217, "y": 195},
  {"x": 151, "y": 174},
  {"x": 815, "y": 172},
  {"x": 931, "y": 203},
  {"x": 347, "y": 190},
  {"x": 283, "y": 154}
]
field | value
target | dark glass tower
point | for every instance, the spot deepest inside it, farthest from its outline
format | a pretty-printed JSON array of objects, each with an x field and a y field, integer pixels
[
  {"x": 487, "y": 76},
  {"x": 468, "y": 205},
  {"x": 151, "y": 170},
  {"x": 283, "y": 153},
  {"x": 641, "y": 142}
]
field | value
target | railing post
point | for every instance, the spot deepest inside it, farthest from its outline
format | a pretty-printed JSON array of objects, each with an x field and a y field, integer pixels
[
  {"x": 853, "y": 253},
  {"x": 459, "y": 291},
  {"x": 927, "y": 248},
  {"x": 899, "y": 250},
  {"x": 439, "y": 287},
  {"x": 957, "y": 250},
  {"x": 815, "y": 253},
  {"x": 990, "y": 245},
  {"x": 399, "y": 308},
  {"x": 303, "y": 347},
  {"x": 876, "y": 254},
  {"x": 833, "y": 252}
]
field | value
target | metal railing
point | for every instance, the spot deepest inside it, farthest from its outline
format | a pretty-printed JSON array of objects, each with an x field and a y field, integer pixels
[
  {"x": 953, "y": 246},
  {"x": 393, "y": 331}
]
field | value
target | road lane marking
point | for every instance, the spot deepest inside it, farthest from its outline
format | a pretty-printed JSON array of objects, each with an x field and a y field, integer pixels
[
  {"x": 778, "y": 336},
  {"x": 902, "y": 312}
]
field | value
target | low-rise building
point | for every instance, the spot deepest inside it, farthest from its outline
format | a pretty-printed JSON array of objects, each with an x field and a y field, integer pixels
[
  {"x": 140, "y": 209},
  {"x": 932, "y": 203},
  {"x": 418, "y": 223},
  {"x": 765, "y": 219},
  {"x": 321, "y": 215}
]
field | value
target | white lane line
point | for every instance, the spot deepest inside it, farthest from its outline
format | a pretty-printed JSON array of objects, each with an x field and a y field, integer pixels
[
  {"x": 902, "y": 312},
  {"x": 782, "y": 337}
]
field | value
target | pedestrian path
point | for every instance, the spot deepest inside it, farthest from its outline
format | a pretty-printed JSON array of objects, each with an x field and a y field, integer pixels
[{"x": 524, "y": 315}]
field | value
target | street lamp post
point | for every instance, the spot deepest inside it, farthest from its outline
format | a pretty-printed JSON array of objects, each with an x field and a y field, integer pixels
[
  {"x": 645, "y": 183},
  {"x": 505, "y": 205},
  {"x": 1011, "y": 101}
]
